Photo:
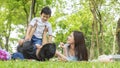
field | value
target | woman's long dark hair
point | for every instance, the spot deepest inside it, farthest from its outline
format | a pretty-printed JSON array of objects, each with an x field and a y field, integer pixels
[{"x": 80, "y": 48}]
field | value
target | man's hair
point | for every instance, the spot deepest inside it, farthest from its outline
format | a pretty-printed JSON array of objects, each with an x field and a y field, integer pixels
[
  {"x": 47, "y": 51},
  {"x": 46, "y": 10}
]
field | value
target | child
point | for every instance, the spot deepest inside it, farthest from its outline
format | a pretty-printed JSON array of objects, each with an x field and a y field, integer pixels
[{"x": 36, "y": 27}]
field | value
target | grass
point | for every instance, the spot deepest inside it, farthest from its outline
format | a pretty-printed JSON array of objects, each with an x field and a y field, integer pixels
[{"x": 56, "y": 64}]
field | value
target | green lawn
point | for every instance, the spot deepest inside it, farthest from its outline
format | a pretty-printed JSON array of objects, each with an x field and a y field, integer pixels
[{"x": 57, "y": 64}]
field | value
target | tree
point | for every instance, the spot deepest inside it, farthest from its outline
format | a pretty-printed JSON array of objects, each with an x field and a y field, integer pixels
[
  {"x": 97, "y": 28},
  {"x": 32, "y": 12},
  {"x": 118, "y": 35}
]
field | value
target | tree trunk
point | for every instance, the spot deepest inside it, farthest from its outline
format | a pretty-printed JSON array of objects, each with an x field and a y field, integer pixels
[
  {"x": 97, "y": 27},
  {"x": 6, "y": 45},
  {"x": 32, "y": 8},
  {"x": 92, "y": 43},
  {"x": 113, "y": 50},
  {"x": 26, "y": 12},
  {"x": 32, "y": 12},
  {"x": 8, "y": 36},
  {"x": 1, "y": 42},
  {"x": 101, "y": 32},
  {"x": 97, "y": 37},
  {"x": 118, "y": 35}
]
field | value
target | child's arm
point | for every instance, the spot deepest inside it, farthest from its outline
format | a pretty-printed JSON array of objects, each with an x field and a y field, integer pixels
[
  {"x": 32, "y": 31},
  {"x": 28, "y": 32}
]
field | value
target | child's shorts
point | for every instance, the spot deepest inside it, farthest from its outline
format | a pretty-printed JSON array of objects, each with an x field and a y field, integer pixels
[{"x": 36, "y": 40}]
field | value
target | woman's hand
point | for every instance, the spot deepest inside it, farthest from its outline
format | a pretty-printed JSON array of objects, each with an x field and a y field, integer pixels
[
  {"x": 62, "y": 45},
  {"x": 60, "y": 56}
]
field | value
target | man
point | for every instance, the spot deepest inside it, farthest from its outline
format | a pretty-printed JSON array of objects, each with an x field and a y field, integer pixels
[{"x": 41, "y": 53}]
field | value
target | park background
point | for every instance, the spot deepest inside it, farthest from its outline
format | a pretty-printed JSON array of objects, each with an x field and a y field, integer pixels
[{"x": 99, "y": 20}]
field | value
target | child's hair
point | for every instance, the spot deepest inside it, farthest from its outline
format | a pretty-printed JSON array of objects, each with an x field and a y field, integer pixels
[
  {"x": 47, "y": 51},
  {"x": 46, "y": 10}
]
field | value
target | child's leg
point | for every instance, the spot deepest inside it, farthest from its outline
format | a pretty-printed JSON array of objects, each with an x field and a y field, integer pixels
[{"x": 36, "y": 41}]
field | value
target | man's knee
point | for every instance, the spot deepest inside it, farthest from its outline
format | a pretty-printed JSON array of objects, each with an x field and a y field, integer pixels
[{"x": 17, "y": 55}]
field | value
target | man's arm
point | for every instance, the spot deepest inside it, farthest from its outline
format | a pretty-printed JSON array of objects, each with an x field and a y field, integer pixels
[
  {"x": 50, "y": 39},
  {"x": 50, "y": 33},
  {"x": 44, "y": 39}
]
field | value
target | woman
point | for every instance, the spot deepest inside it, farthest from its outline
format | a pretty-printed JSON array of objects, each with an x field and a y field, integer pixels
[{"x": 75, "y": 49}]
